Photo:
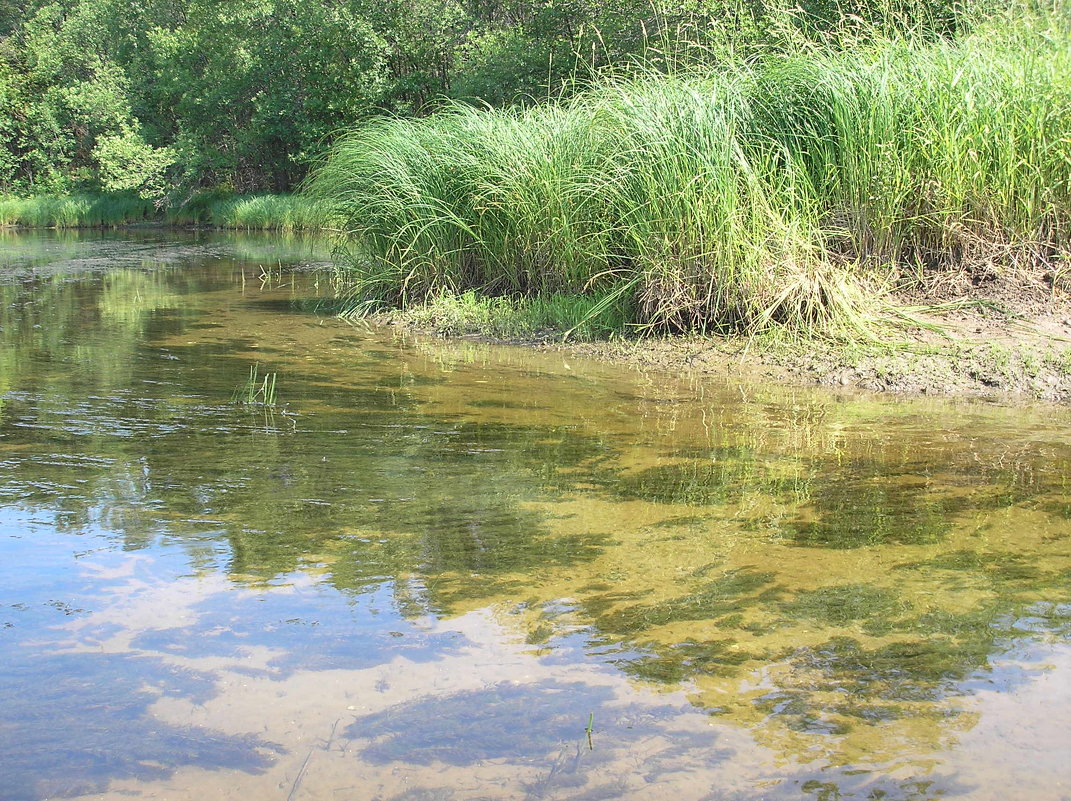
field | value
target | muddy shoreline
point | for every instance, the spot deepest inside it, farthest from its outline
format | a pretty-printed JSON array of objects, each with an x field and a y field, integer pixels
[{"x": 1006, "y": 340}]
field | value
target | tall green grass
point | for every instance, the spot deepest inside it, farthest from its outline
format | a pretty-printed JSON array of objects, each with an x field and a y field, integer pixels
[
  {"x": 760, "y": 193},
  {"x": 220, "y": 210},
  {"x": 252, "y": 212},
  {"x": 75, "y": 211}
]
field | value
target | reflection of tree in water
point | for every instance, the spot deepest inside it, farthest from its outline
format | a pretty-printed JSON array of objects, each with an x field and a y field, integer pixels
[
  {"x": 884, "y": 664},
  {"x": 443, "y": 510},
  {"x": 398, "y": 493},
  {"x": 455, "y": 513},
  {"x": 862, "y": 669},
  {"x": 836, "y": 503}
]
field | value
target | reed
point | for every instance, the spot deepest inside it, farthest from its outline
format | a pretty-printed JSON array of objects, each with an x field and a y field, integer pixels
[
  {"x": 256, "y": 390},
  {"x": 780, "y": 192}
]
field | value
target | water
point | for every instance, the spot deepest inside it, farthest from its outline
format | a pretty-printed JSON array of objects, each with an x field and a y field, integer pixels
[{"x": 443, "y": 570}]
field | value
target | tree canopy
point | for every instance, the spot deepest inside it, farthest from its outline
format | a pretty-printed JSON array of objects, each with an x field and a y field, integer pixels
[{"x": 165, "y": 96}]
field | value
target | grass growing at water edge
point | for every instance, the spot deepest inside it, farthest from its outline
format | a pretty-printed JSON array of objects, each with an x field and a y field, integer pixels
[
  {"x": 578, "y": 317},
  {"x": 248, "y": 212},
  {"x": 780, "y": 193},
  {"x": 75, "y": 211},
  {"x": 253, "y": 212}
]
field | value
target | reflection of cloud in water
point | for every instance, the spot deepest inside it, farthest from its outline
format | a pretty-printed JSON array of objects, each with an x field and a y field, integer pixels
[
  {"x": 488, "y": 719},
  {"x": 1012, "y": 744},
  {"x": 385, "y": 706},
  {"x": 72, "y": 723},
  {"x": 522, "y": 721},
  {"x": 297, "y": 636},
  {"x": 507, "y": 721}
]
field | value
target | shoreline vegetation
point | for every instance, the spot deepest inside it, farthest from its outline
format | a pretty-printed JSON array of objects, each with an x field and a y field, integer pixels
[
  {"x": 894, "y": 215},
  {"x": 796, "y": 192},
  {"x": 283, "y": 213},
  {"x": 1015, "y": 351},
  {"x": 857, "y": 191}
]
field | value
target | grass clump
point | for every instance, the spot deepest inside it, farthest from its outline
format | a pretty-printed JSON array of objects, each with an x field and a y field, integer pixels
[
  {"x": 75, "y": 211},
  {"x": 257, "y": 390},
  {"x": 253, "y": 212},
  {"x": 582, "y": 317},
  {"x": 761, "y": 194}
]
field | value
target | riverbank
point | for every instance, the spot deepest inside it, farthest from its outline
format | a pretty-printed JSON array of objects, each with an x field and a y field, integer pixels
[
  {"x": 995, "y": 357},
  {"x": 1008, "y": 339},
  {"x": 789, "y": 193},
  {"x": 892, "y": 216}
]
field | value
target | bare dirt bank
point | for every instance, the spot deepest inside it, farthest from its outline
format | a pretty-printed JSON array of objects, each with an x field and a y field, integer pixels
[{"x": 1005, "y": 338}]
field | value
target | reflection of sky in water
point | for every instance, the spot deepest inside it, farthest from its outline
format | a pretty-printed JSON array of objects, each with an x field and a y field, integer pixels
[
  {"x": 310, "y": 631},
  {"x": 424, "y": 573},
  {"x": 514, "y": 721},
  {"x": 74, "y": 716},
  {"x": 82, "y": 720}
]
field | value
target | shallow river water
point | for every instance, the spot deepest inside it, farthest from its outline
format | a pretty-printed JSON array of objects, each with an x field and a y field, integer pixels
[{"x": 445, "y": 570}]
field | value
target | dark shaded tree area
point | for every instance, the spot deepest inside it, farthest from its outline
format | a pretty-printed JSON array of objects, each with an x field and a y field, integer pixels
[{"x": 163, "y": 97}]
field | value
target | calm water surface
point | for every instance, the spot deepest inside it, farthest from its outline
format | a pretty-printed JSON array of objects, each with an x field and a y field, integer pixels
[{"x": 449, "y": 571}]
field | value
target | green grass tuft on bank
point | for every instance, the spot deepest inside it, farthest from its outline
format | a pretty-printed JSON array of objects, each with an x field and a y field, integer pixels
[
  {"x": 778, "y": 193},
  {"x": 75, "y": 211},
  {"x": 213, "y": 209},
  {"x": 576, "y": 317}
]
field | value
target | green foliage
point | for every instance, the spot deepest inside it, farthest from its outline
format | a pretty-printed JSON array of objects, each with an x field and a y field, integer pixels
[
  {"x": 734, "y": 199},
  {"x": 244, "y": 95},
  {"x": 128, "y": 164},
  {"x": 256, "y": 84},
  {"x": 65, "y": 89},
  {"x": 216, "y": 209},
  {"x": 9, "y": 128}
]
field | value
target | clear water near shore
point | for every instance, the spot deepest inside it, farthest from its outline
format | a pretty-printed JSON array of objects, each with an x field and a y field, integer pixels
[{"x": 436, "y": 570}]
